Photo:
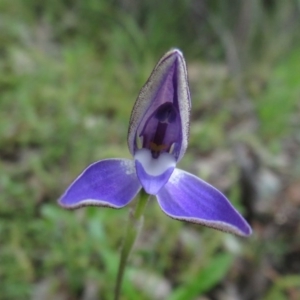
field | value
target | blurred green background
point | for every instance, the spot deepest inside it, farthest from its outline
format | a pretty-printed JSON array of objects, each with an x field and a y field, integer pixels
[{"x": 70, "y": 72}]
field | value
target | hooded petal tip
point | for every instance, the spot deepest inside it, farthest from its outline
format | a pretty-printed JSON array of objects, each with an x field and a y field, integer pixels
[{"x": 172, "y": 52}]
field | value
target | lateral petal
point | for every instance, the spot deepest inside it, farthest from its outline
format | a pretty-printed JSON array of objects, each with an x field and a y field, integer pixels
[
  {"x": 188, "y": 198},
  {"x": 110, "y": 182}
]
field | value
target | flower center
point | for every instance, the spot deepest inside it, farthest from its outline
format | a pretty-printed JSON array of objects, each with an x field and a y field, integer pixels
[{"x": 161, "y": 130}]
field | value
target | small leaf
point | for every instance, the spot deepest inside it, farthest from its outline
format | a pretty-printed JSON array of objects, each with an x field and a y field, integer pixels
[{"x": 205, "y": 280}]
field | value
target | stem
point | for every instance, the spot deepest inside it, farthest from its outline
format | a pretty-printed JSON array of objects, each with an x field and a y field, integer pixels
[{"x": 134, "y": 225}]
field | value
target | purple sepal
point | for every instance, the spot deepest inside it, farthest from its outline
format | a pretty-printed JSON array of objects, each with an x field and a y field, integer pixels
[
  {"x": 188, "y": 198},
  {"x": 111, "y": 182},
  {"x": 167, "y": 84}
]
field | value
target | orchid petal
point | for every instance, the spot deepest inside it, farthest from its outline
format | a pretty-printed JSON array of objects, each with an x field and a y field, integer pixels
[
  {"x": 109, "y": 182},
  {"x": 153, "y": 173},
  {"x": 167, "y": 84},
  {"x": 188, "y": 198}
]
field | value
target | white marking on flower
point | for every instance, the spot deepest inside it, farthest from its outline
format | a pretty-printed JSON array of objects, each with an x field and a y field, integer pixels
[
  {"x": 128, "y": 165},
  {"x": 155, "y": 166},
  {"x": 176, "y": 176}
]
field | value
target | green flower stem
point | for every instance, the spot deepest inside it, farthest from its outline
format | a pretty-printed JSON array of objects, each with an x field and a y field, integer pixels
[{"x": 134, "y": 225}]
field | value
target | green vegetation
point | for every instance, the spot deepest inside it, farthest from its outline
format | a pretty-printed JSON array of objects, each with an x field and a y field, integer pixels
[{"x": 69, "y": 75}]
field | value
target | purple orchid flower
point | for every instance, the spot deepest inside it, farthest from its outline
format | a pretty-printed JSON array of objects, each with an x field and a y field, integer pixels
[{"x": 157, "y": 139}]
